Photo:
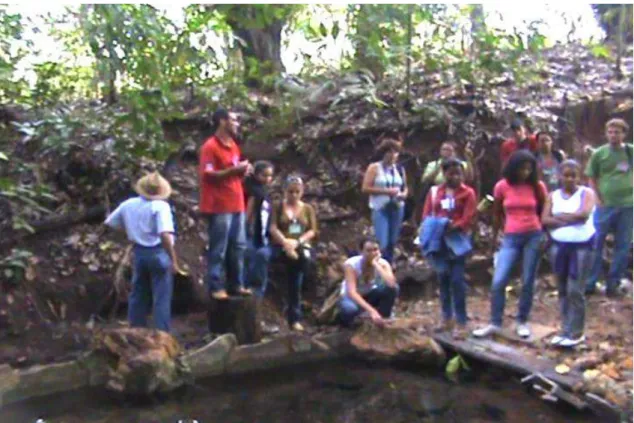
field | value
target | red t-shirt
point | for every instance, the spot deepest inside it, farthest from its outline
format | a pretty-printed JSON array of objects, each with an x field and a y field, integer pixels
[
  {"x": 511, "y": 145},
  {"x": 520, "y": 206},
  {"x": 220, "y": 195},
  {"x": 461, "y": 212}
]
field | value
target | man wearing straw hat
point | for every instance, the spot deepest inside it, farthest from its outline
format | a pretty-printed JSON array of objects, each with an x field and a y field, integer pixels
[
  {"x": 148, "y": 222},
  {"x": 222, "y": 202}
]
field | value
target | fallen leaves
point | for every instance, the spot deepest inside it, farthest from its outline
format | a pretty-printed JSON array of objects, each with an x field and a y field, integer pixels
[{"x": 562, "y": 369}]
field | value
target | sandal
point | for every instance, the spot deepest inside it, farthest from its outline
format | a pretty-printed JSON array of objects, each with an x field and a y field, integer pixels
[
  {"x": 246, "y": 292},
  {"x": 220, "y": 295}
]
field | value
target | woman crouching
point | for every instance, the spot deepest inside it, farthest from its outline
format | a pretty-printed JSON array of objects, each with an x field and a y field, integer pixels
[
  {"x": 293, "y": 227},
  {"x": 568, "y": 216},
  {"x": 369, "y": 286},
  {"x": 455, "y": 201}
]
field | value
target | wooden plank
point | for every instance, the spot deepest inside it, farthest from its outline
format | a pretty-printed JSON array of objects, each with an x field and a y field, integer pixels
[{"x": 509, "y": 358}]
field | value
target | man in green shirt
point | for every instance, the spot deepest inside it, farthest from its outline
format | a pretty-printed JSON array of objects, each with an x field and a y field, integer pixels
[
  {"x": 610, "y": 174},
  {"x": 433, "y": 171}
]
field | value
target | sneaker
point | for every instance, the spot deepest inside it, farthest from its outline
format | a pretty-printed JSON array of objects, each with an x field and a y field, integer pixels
[
  {"x": 556, "y": 340},
  {"x": 522, "y": 330},
  {"x": 297, "y": 327},
  {"x": 571, "y": 343},
  {"x": 486, "y": 331}
]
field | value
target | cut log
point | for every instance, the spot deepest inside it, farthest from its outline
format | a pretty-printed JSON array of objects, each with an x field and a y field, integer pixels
[{"x": 237, "y": 315}]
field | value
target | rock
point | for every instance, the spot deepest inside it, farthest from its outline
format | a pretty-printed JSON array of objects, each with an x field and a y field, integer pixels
[
  {"x": 329, "y": 311},
  {"x": 211, "y": 359},
  {"x": 396, "y": 342},
  {"x": 587, "y": 362},
  {"x": 142, "y": 361}
]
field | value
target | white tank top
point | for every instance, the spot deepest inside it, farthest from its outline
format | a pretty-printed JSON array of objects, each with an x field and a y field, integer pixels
[
  {"x": 580, "y": 232},
  {"x": 388, "y": 177},
  {"x": 356, "y": 263}
]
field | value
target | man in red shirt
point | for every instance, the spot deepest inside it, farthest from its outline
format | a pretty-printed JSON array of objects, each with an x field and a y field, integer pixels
[
  {"x": 222, "y": 202},
  {"x": 520, "y": 140}
]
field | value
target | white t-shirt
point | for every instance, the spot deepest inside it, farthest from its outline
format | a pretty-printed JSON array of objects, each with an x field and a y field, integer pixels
[
  {"x": 356, "y": 263},
  {"x": 143, "y": 220}
]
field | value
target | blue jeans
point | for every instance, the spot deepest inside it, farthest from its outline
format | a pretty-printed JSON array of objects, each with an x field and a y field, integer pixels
[
  {"x": 227, "y": 245},
  {"x": 381, "y": 297},
  {"x": 152, "y": 286},
  {"x": 619, "y": 221},
  {"x": 513, "y": 245},
  {"x": 452, "y": 288},
  {"x": 572, "y": 301},
  {"x": 258, "y": 260},
  {"x": 295, "y": 271},
  {"x": 387, "y": 227}
]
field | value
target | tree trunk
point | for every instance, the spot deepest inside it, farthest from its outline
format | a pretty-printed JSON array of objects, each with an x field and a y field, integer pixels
[
  {"x": 477, "y": 26},
  {"x": 237, "y": 315},
  {"x": 364, "y": 31},
  {"x": 260, "y": 32},
  {"x": 261, "y": 52}
]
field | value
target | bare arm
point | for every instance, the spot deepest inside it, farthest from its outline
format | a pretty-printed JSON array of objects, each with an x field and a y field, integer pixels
[
  {"x": 548, "y": 220},
  {"x": 167, "y": 241},
  {"x": 582, "y": 215},
  {"x": 385, "y": 272},
  {"x": 250, "y": 206},
  {"x": 368, "y": 183},
  {"x": 405, "y": 191},
  {"x": 351, "y": 289},
  {"x": 218, "y": 175}
]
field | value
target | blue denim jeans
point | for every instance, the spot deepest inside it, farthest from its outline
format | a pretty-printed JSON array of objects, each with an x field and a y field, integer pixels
[
  {"x": 387, "y": 227},
  {"x": 152, "y": 286},
  {"x": 526, "y": 245},
  {"x": 258, "y": 260},
  {"x": 572, "y": 301},
  {"x": 295, "y": 272},
  {"x": 227, "y": 245},
  {"x": 617, "y": 220},
  {"x": 381, "y": 297},
  {"x": 452, "y": 288}
]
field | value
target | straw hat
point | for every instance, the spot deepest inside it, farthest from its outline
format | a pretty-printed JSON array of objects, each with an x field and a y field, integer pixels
[{"x": 153, "y": 187}]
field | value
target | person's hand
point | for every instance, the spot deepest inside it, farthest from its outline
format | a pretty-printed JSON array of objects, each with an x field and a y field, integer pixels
[
  {"x": 177, "y": 269},
  {"x": 376, "y": 261},
  {"x": 249, "y": 169},
  {"x": 243, "y": 166},
  {"x": 376, "y": 318},
  {"x": 393, "y": 192},
  {"x": 401, "y": 196}
]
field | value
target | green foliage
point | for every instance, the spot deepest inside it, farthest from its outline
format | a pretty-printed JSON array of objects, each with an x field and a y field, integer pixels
[
  {"x": 615, "y": 19},
  {"x": 10, "y": 31},
  {"x": 15, "y": 265}
]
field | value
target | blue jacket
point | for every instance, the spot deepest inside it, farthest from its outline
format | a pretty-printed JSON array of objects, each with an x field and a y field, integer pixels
[{"x": 431, "y": 235}]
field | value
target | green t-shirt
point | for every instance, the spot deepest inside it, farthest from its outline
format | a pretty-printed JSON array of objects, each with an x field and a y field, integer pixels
[
  {"x": 431, "y": 168},
  {"x": 612, "y": 169}
]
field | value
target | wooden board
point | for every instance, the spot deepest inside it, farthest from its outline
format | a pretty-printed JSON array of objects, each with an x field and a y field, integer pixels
[{"x": 508, "y": 357}]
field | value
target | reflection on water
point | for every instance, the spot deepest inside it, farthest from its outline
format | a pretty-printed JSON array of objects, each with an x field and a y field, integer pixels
[{"x": 326, "y": 393}]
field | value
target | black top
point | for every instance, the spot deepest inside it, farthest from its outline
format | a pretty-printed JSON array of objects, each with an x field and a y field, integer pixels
[{"x": 261, "y": 200}]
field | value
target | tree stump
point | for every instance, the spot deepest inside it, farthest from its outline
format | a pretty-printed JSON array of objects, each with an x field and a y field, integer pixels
[{"x": 237, "y": 315}]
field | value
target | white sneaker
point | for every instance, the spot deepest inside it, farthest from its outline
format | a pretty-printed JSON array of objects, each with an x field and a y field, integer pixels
[
  {"x": 570, "y": 343},
  {"x": 522, "y": 330},
  {"x": 556, "y": 340},
  {"x": 486, "y": 331}
]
